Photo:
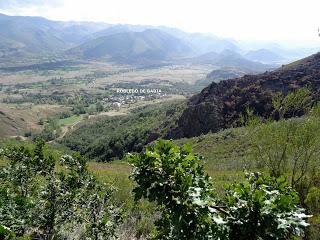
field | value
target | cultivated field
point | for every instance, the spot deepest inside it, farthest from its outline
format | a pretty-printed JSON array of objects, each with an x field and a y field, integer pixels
[{"x": 71, "y": 92}]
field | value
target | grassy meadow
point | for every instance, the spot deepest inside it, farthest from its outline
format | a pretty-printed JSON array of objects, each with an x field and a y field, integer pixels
[{"x": 225, "y": 156}]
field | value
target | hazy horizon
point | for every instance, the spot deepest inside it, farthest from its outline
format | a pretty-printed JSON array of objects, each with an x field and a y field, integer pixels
[{"x": 285, "y": 22}]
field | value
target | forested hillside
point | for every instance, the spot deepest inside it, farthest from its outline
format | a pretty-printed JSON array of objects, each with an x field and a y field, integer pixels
[{"x": 112, "y": 137}]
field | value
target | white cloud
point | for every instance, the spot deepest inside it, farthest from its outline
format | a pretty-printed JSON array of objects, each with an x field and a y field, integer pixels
[{"x": 293, "y": 20}]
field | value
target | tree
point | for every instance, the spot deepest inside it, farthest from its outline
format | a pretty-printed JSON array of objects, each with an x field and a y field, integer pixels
[
  {"x": 295, "y": 103},
  {"x": 99, "y": 107},
  {"x": 174, "y": 179}
]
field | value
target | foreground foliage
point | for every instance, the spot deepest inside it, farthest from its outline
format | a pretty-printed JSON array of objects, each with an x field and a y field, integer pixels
[
  {"x": 291, "y": 147},
  {"x": 258, "y": 208},
  {"x": 40, "y": 200}
]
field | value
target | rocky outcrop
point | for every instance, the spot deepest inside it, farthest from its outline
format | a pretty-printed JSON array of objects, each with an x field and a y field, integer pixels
[{"x": 220, "y": 104}]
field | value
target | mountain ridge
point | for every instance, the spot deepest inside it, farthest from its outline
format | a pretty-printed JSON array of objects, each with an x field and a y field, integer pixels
[
  {"x": 27, "y": 37},
  {"x": 128, "y": 47},
  {"x": 24, "y": 35}
]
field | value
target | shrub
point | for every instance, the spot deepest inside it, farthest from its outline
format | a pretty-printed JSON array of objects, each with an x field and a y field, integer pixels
[
  {"x": 173, "y": 178},
  {"x": 48, "y": 202},
  {"x": 263, "y": 208}
]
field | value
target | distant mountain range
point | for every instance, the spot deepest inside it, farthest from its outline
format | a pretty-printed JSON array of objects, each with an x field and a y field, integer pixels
[
  {"x": 200, "y": 43},
  {"x": 22, "y": 37},
  {"x": 220, "y": 105},
  {"x": 151, "y": 45},
  {"x": 264, "y": 56},
  {"x": 229, "y": 58}
]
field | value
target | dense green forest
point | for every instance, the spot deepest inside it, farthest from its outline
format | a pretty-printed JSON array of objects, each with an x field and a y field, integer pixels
[{"x": 112, "y": 137}]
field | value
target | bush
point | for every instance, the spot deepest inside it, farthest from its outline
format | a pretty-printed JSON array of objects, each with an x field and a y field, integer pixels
[
  {"x": 263, "y": 208},
  {"x": 288, "y": 147},
  {"x": 6, "y": 233},
  {"x": 313, "y": 200},
  {"x": 38, "y": 199},
  {"x": 172, "y": 177},
  {"x": 28, "y": 134}
]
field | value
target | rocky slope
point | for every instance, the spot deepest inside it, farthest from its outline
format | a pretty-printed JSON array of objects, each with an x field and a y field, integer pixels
[{"x": 220, "y": 104}]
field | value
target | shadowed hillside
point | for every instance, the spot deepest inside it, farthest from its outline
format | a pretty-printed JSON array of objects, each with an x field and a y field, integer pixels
[
  {"x": 133, "y": 47},
  {"x": 220, "y": 104}
]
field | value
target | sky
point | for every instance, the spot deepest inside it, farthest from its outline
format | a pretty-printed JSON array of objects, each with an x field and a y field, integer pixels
[{"x": 255, "y": 20}]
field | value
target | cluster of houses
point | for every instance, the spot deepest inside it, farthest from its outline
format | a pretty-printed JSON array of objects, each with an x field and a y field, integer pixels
[{"x": 118, "y": 100}]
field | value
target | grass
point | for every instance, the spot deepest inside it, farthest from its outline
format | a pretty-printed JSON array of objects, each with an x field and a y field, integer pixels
[
  {"x": 222, "y": 161},
  {"x": 16, "y": 119},
  {"x": 225, "y": 150},
  {"x": 226, "y": 155},
  {"x": 225, "y": 158},
  {"x": 116, "y": 174},
  {"x": 101, "y": 72},
  {"x": 3, "y": 162},
  {"x": 70, "y": 120}
]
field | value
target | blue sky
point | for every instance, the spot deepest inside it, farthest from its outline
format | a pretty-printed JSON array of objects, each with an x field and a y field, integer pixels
[{"x": 280, "y": 20}]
